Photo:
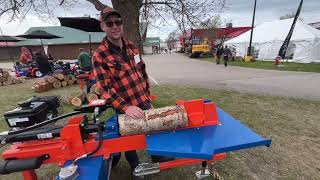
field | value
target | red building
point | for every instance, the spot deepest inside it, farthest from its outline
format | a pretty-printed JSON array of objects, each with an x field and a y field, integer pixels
[{"x": 215, "y": 36}]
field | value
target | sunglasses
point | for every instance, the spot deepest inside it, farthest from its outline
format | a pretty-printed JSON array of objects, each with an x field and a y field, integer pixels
[{"x": 116, "y": 22}]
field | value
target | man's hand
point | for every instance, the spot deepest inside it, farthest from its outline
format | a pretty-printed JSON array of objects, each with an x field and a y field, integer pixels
[{"x": 135, "y": 112}]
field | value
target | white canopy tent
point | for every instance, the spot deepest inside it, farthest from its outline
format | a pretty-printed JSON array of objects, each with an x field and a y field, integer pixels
[{"x": 268, "y": 37}]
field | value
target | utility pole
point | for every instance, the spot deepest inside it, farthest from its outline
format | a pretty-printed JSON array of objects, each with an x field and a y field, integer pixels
[{"x": 253, "y": 17}]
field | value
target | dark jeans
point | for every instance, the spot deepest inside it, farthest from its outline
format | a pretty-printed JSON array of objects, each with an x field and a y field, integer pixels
[
  {"x": 226, "y": 59},
  {"x": 218, "y": 59},
  {"x": 131, "y": 156}
]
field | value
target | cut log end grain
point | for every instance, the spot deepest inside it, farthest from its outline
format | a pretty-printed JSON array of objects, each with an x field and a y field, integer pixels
[
  {"x": 56, "y": 84},
  {"x": 167, "y": 118},
  {"x": 70, "y": 82},
  {"x": 64, "y": 83},
  {"x": 91, "y": 97},
  {"x": 49, "y": 79},
  {"x": 59, "y": 76},
  {"x": 76, "y": 101}
]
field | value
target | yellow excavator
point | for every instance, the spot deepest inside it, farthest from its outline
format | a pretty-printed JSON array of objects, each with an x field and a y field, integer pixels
[{"x": 198, "y": 47}]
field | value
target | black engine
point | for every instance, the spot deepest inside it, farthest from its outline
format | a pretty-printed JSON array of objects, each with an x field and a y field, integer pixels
[{"x": 33, "y": 111}]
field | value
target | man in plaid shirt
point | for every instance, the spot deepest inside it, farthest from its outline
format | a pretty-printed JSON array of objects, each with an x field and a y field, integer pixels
[{"x": 121, "y": 73}]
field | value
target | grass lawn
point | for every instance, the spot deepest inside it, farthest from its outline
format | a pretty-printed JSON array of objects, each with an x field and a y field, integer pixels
[
  {"x": 8, "y": 61},
  {"x": 292, "y": 124},
  {"x": 286, "y": 66}
]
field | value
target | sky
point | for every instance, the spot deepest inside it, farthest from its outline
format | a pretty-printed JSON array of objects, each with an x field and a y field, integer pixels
[{"x": 239, "y": 12}]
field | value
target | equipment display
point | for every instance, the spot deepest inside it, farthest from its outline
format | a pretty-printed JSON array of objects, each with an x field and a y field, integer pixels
[{"x": 84, "y": 147}]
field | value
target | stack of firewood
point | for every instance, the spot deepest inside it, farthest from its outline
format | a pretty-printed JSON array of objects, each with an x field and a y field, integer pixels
[
  {"x": 83, "y": 97},
  {"x": 7, "y": 79},
  {"x": 55, "y": 81}
]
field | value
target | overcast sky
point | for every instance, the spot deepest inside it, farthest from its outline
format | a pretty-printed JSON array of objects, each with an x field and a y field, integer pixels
[{"x": 239, "y": 12}]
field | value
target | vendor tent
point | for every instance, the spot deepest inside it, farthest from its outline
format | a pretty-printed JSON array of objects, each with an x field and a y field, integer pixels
[{"x": 268, "y": 37}]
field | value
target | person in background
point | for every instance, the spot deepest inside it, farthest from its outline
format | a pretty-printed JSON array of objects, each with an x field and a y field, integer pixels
[
  {"x": 226, "y": 54},
  {"x": 42, "y": 62},
  {"x": 25, "y": 56},
  {"x": 84, "y": 60},
  {"x": 219, "y": 53}
]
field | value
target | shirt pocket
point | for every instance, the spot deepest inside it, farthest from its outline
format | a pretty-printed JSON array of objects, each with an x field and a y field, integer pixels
[{"x": 117, "y": 69}]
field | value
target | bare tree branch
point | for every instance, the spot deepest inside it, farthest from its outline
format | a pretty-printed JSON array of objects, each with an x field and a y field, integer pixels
[
  {"x": 156, "y": 2},
  {"x": 97, "y": 4},
  {"x": 62, "y": 1}
]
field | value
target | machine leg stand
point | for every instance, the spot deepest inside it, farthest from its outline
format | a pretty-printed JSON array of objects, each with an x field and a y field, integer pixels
[
  {"x": 204, "y": 172},
  {"x": 213, "y": 172},
  {"x": 29, "y": 175}
]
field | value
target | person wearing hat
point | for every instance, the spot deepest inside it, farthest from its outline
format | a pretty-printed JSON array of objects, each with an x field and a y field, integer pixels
[{"x": 121, "y": 74}]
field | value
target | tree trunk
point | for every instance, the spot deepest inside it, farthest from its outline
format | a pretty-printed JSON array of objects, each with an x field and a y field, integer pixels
[
  {"x": 167, "y": 118},
  {"x": 130, "y": 10}
]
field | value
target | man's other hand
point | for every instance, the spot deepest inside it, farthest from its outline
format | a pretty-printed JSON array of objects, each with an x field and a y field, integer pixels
[{"x": 135, "y": 112}]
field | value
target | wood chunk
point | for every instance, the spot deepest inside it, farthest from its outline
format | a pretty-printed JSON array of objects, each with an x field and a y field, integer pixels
[
  {"x": 56, "y": 84},
  {"x": 91, "y": 97},
  {"x": 167, "y": 118},
  {"x": 64, "y": 83}
]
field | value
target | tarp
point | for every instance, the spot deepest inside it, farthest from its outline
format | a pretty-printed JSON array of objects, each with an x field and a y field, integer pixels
[{"x": 269, "y": 36}]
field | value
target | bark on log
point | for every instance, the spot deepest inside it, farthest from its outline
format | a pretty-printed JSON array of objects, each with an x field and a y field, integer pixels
[
  {"x": 49, "y": 79},
  {"x": 42, "y": 86},
  {"x": 73, "y": 78},
  {"x": 59, "y": 76},
  {"x": 94, "y": 89},
  {"x": 2, "y": 79},
  {"x": 17, "y": 81},
  {"x": 66, "y": 78},
  {"x": 8, "y": 81},
  {"x": 5, "y": 74},
  {"x": 56, "y": 84},
  {"x": 70, "y": 82},
  {"x": 167, "y": 118}
]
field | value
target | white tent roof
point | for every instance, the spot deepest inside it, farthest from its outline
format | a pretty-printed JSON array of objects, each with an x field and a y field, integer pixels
[{"x": 277, "y": 31}]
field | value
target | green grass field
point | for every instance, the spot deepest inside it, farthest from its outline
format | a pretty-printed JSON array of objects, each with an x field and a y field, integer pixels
[
  {"x": 286, "y": 66},
  {"x": 292, "y": 124}
]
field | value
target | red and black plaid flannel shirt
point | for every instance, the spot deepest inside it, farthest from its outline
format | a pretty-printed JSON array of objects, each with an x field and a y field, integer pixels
[{"x": 120, "y": 79}]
